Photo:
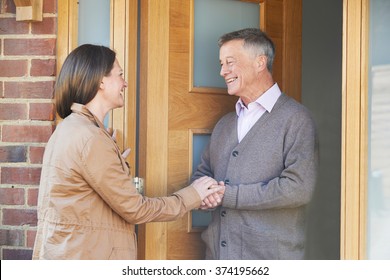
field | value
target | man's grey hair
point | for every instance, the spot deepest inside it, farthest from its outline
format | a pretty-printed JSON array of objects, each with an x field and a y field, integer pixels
[{"x": 254, "y": 39}]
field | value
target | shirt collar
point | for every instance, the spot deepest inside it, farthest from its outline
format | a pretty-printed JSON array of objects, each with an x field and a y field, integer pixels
[{"x": 267, "y": 100}]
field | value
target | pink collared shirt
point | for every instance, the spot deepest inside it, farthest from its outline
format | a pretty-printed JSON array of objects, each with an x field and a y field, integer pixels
[{"x": 247, "y": 117}]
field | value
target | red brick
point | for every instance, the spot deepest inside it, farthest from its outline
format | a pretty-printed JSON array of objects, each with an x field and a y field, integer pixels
[
  {"x": 31, "y": 238},
  {"x": 13, "y": 111},
  {"x": 11, "y": 196},
  {"x": 27, "y": 133},
  {"x": 20, "y": 175},
  {"x": 42, "y": 111},
  {"x": 17, "y": 254},
  {"x": 50, "y": 6},
  {"x": 13, "y": 154},
  {"x": 43, "y": 67},
  {"x": 9, "y": 6},
  {"x": 11, "y": 26},
  {"x": 46, "y": 26},
  {"x": 42, "y": 90},
  {"x": 29, "y": 46},
  {"x": 19, "y": 217},
  {"x": 36, "y": 154},
  {"x": 13, "y": 68},
  {"x": 32, "y": 197},
  {"x": 11, "y": 237}
]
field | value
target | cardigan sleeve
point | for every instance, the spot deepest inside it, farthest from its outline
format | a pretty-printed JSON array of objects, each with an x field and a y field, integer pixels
[{"x": 103, "y": 170}]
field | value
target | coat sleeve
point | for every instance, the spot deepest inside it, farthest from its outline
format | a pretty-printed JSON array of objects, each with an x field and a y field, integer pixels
[
  {"x": 295, "y": 185},
  {"x": 103, "y": 170}
]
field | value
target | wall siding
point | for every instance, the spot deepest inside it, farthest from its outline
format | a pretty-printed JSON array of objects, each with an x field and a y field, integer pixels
[{"x": 27, "y": 119}]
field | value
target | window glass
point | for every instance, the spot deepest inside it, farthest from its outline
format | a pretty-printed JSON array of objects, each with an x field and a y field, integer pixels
[{"x": 378, "y": 218}]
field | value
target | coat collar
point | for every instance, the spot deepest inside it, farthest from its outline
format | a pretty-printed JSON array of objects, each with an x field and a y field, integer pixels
[{"x": 83, "y": 110}]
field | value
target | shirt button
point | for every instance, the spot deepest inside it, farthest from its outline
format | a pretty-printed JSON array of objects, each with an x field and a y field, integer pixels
[
  {"x": 235, "y": 153},
  {"x": 227, "y": 182},
  {"x": 223, "y": 243},
  {"x": 223, "y": 213}
]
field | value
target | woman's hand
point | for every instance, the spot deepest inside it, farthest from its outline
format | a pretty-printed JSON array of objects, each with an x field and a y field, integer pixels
[
  {"x": 206, "y": 186},
  {"x": 126, "y": 152},
  {"x": 214, "y": 199}
]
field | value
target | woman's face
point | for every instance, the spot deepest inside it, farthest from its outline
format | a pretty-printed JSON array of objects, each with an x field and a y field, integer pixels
[{"x": 113, "y": 87}]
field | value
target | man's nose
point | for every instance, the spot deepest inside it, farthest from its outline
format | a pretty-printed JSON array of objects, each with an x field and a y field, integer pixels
[{"x": 224, "y": 70}]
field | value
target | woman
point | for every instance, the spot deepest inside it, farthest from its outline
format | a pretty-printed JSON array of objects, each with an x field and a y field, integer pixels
[{"x": 87, "y": 204}]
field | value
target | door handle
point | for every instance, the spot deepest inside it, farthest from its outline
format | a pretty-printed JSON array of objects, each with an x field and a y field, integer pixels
[{"x": 139, "y": 184}]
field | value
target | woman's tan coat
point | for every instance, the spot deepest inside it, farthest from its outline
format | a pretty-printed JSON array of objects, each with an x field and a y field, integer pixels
[{"x": 88, "y": 205}]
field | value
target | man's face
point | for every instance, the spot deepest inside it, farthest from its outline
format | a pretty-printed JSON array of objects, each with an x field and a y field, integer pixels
[{"x": 238, "y": 68}]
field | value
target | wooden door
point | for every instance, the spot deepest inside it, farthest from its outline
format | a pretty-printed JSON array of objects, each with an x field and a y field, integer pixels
[
  {"x": 190, "y": 111},
  {"x": 172, "y": 111}
]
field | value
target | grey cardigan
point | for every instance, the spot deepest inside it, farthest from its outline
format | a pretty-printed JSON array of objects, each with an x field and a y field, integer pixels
[{"x": 270, "y": 177}]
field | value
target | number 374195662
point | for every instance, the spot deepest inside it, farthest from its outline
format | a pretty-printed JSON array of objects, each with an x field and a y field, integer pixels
[{"x": 243, "y": 270}]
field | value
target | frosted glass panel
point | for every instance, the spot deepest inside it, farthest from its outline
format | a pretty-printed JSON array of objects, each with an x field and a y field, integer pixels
[
  {"x": 94, "y": 26},
  {"x": 94, "y": 22},
  {"x": 378, "y": 245},
  {"x": 214, "y": 18},
  {"x": 199, "y": 142}
]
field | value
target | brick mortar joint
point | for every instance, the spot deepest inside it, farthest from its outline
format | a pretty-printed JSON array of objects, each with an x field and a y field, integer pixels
[
  {"x": 11, "y": 227},
  {"x": 21, "y": 164},
  {"x": 27, "y": 57},
  {"x": 29, "y": 79},
  {"x": 44, "y": 15},
  {"x": 19, "y": 207},
  {"x": 29, "y": 144},
  {"x": 6, "y": 100},
  {"x": 16, "y": 186},
  {"x": 27, "y": 122}
]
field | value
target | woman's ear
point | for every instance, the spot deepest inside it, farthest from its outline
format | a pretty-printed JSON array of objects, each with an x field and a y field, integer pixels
[{"x": 102, "y": 86}]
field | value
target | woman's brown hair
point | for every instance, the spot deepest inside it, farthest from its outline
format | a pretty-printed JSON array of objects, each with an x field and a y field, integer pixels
[{"x": 81, "y": 75}]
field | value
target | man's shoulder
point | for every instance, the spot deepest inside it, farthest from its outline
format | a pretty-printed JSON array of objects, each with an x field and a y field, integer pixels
[
  {"x": 229, "y": 116},
  {"x": 288, "y": 106}
]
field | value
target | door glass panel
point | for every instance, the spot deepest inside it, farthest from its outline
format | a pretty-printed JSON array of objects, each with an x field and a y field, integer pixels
[
  {"x": 214, "y": 18},
  {"x": 94, "y": 26},
  {"x": 94, "y": 22},
  {"x": 200, "y": 219},
  {"x": 378, "y": 221}
]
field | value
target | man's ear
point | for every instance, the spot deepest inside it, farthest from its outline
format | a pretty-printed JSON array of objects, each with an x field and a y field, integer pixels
[{"x": 261, "y": 62}]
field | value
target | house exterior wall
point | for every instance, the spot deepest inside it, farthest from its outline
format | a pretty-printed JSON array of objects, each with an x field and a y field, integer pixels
[{"x": 27, "y": 119}]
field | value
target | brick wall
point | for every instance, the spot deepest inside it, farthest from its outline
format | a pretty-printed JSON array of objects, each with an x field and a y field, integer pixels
[{"x": 27, "y": 75}]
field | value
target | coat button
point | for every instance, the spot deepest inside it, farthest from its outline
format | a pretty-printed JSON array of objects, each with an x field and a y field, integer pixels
[
  {"x": 223, "y": 243},
  {"x": 223, "y": 213},
  {"x": 227, "y": 182},
  {"x": 235, "y": 153}
]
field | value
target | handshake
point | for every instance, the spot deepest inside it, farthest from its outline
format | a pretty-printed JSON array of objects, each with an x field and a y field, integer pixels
[{"x": 210, "y": 191}]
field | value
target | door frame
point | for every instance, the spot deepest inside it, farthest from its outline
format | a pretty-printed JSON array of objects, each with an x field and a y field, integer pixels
[
  {"x": 354, "y": 104},
  {"x": 354, "y": 160}
]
